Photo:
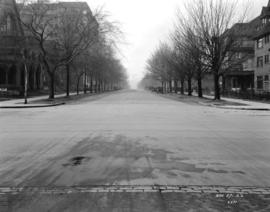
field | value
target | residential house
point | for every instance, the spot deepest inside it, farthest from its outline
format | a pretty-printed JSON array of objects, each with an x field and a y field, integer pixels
[
  {"x": 262, "y": 52},
  {"x": 240, "y": 74},
  {"x": 12, "y": 48},
  {"x": 19, "y": 48}
]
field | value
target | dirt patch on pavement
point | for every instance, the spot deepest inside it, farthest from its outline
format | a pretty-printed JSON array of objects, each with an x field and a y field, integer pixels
[
  {"x": 76, "y": 161},
  {"x": 112, "y": 160}
]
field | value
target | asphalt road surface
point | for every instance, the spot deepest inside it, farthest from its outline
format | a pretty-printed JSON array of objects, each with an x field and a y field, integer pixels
[{"x": 134, "y": 138}]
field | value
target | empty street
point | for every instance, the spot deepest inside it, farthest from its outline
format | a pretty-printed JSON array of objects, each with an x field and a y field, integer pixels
[{"x": 134, "y": 138}]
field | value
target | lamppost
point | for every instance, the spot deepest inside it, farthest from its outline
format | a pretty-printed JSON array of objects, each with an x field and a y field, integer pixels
[{"x": 25, "y": 59}]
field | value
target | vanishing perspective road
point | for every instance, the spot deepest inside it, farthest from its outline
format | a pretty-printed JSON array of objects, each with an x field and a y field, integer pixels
[{"x": 134, "y": 138}]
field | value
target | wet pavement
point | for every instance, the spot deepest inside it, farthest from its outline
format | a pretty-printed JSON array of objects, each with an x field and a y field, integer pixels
[{"x": 133, "y": 138}]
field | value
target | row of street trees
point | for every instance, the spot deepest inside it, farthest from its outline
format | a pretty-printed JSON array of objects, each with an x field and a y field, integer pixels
[
  {"x": 201, "y": 43},
  {"x": 68, "y": 38}
]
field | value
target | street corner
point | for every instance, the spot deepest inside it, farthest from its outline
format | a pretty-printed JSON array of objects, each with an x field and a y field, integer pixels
[{"x": 25, "y": 106}]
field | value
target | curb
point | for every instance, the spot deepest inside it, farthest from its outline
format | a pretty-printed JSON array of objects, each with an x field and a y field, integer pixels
[
  {"x": 243, "y": 108},
  {"x": 137, "y": 189},
  {"x": 32, "y": 106},
  {"x": 235, "y": 108}
]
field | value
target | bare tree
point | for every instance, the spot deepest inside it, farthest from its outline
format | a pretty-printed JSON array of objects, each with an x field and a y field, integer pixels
[
  {"x": 77, "y": 31},
  {"x": 190, "y": 53},
  {"x": 211, "y": 19},
  {"x": 160, "y": 66},
  {"x": 61, "y": 34}
]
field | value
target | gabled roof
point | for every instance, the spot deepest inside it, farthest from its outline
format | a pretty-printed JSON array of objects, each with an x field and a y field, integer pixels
[
  {"x": 263, "y": 32},
  {"x": 265, "y": 29},
  {"x": 266, "y": 11},
  {"x": 9, "y": 8},
  {"x": 246, "y": 29}
]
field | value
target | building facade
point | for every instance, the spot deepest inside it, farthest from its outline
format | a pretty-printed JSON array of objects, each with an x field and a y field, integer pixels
[
  {"x": 15, "y": 54},
  {"x": 262, "y": 53},
  {"x": 240, "y": 75},
  {"x": 19, "y": 49}
]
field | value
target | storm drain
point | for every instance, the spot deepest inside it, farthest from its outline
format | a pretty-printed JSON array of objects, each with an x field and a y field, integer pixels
[{"x": 137, "y": 189}]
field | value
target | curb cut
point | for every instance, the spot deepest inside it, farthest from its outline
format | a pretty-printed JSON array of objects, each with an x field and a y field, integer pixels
[{"x": 32, "y": 106}]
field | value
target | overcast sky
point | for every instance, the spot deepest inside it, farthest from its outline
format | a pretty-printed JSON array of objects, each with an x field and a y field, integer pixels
[{"x": 146, "y": 23}]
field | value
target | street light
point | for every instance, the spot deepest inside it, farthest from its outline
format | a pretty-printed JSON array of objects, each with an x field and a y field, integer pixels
[{"x": 25, "y": 58}]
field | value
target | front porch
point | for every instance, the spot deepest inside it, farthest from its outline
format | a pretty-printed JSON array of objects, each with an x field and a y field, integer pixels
[
  {"x": 238, "y": 81},
  {"x": 12, "y": 79}
]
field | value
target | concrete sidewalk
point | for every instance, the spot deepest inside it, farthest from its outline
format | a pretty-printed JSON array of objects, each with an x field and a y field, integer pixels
[
  {"x": 243, "y": 104},
  {"x": 32, "y": 102}
]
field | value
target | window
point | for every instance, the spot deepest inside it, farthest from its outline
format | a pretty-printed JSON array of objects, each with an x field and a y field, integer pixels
[
  {"x": 266, "y": 59},
  {"x": 266, "y": 78},
  {"x": 260, "y": 61},
  {"x": 260, "y": 43},
  {"x": 259, "y": 82},
  {"x": 267, "y": 39},
  {"x": 5, "y": 26}
]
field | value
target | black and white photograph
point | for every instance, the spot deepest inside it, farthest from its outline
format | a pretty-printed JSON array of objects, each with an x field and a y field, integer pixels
[{"x": 134, "y": 106}]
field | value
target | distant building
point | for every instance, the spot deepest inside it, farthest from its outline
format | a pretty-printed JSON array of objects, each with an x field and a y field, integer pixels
[{"x": 262, "y": 52}]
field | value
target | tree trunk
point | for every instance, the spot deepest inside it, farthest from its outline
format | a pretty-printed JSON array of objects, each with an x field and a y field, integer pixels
[
  {"x": 217, "y": 88},
  {"x": 104, "y": 86},
  {"x": 96, "y": 88},
  {"x": 68, "y": 80},
  {"x": 175, "y": 86},
  {"x": 78, "y": 84},
  {"x": 84, "y": 83},
  {"x": 182, "y": 86},
  {"x": 200, "y": 93},
  {"x": 164, "y": 87},
  {"x": 99, "y": 86},
  {"x": 52, "y": 85},
  {"x": 91, "y": 84},
  {"x": 189, "y": 86},
  {"x": 170, "y": 86}
]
